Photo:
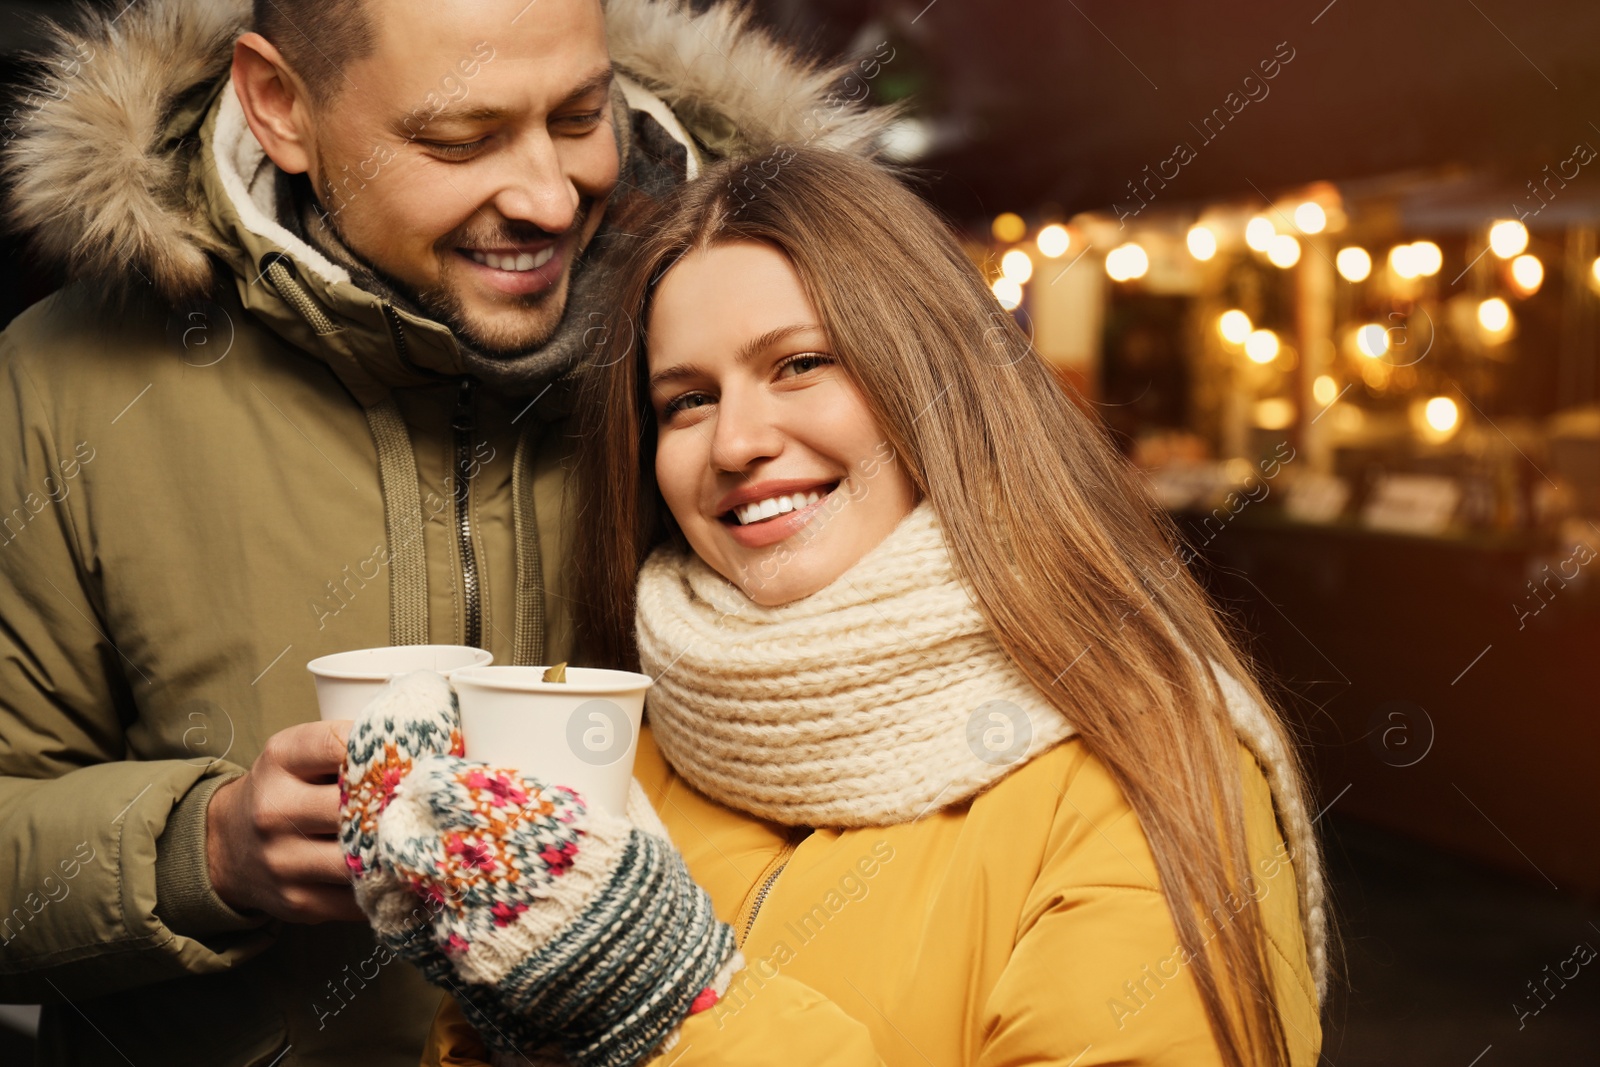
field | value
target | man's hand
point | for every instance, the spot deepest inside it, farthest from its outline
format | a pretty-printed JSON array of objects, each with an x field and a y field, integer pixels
[{"x": 271, "y": 841}]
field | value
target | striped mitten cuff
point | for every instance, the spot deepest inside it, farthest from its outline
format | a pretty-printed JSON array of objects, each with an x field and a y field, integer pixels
[
  {"x": 415, "y": 716},
  {"x": 563, "y": 926}
]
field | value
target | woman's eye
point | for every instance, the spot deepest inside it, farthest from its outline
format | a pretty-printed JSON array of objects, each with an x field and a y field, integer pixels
[
  {"x": 803, "y": 363},
  {"x": 683, "y": 403}
]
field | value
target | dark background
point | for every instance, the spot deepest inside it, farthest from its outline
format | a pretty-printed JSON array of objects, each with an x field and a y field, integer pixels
[
  {"x": 1459, "y": 877},
  {"x": 1064, "y": 101}
]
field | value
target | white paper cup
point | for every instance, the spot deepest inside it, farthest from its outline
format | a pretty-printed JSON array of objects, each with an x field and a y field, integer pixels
[
  {"x": 582, "y": 733},
  {"x": 348, "y": 681}
]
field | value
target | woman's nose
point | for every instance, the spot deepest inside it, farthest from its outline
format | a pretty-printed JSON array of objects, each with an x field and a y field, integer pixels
[{"x": 744, "y": 432}]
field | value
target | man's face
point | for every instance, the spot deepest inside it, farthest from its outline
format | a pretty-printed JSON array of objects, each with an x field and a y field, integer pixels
[{"x": 468, "y": 158}]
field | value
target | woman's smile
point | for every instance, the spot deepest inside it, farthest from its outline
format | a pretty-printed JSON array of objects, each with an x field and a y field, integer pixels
[{"x": 774, "y": 511}]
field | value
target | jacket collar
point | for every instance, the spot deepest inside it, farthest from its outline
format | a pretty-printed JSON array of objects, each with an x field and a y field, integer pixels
[{"x": 356, "y": 331}]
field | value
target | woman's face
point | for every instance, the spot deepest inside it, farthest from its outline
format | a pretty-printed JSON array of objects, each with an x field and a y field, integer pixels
[{"x": 767, "y": 455}]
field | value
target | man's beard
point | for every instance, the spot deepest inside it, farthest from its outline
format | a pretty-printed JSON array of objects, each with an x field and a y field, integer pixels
[{"x": 444, "y": 305}]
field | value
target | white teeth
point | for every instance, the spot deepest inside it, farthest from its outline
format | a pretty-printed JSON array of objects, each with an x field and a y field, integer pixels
[
  {"x": 757, "y": 510},
  {"x": 521, "y": 261}
]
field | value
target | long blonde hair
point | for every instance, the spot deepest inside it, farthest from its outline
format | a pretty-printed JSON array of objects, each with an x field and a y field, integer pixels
[{"x": 1056, "y": 538}]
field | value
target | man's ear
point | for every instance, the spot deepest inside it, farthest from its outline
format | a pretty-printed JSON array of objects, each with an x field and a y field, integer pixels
[{"x": 275, "y": 102}]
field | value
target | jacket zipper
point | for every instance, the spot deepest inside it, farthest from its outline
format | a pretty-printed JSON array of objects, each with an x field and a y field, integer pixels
[
  {"x": 462, "y": 424},
  {"x": 766, "y": 885},
  {"x": 761, "y": 898}
]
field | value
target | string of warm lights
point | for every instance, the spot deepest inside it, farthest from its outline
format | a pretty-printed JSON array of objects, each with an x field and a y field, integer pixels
[{"x": 1282, "y": 246}]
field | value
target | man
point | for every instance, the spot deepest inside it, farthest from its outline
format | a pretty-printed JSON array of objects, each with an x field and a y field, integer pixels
[{"x": 307, "y": 393}]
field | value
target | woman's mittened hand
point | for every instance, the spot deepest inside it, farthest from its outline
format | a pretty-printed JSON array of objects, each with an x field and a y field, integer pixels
[
  {"x": 555, "y": 925},
  {"x": 562, "y": 924},
  {"x": 414, "y": 717},
  {"x": 485, "y": 846}
]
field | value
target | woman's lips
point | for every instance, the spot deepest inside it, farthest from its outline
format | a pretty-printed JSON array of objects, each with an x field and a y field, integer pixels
[
  {"x": 778, "y": 528},
  {"x": 517, "y": 282}
]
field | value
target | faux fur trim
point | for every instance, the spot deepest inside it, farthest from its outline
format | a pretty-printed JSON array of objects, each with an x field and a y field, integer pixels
[
  {"x": 716, "y": 62},
  {"x": 93, "y": 176},
  {"x": 102, "y": 183}
]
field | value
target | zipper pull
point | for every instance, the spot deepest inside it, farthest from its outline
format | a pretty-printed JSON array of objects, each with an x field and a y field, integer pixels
[{"x": 462, "y": 422}]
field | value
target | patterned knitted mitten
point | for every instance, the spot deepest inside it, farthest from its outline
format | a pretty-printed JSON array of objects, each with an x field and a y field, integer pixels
[
  {"x": 415, "y": 716},
  {"x": 563, "y": 925}
]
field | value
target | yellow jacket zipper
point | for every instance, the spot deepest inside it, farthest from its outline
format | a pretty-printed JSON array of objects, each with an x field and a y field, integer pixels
[{"x": 746, "y": 920}]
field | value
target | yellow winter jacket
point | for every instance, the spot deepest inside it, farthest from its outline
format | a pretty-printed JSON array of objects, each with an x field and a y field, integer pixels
[{"x": 1023, "y": 927}]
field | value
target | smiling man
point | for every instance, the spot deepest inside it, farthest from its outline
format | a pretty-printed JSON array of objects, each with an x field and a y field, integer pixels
[
  {"x": 335, "y": 263},
  {"x": 489, "y": 128},
  {"x": 501, "y": 164}
]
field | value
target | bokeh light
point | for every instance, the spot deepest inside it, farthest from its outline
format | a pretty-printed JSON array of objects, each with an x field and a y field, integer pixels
[
  {"x": 1258, "y": 233},
  {"x": 1016, "y": 265},
  {"x": 1261, "y": 346},
  {"x": 1008, "y": 227},
  {"x": 1528, "y": 273},
  {"x": 1234, "y": 326},
  {"x": 1310, "y": 217},
  {"x": 1494, "y": 315},
  {"x": 1284, "y": 251},
  {"x": 1372, "y": 340},
  {"x": 1008, "y": 292},
  {"x": 1127, "y": 262},
  {"x": 1354, "y": 264},
  {"x": 1202, "y": 242},
  {"x": 1053, "y": 241},
  {"x": 1508, "y": 238}
]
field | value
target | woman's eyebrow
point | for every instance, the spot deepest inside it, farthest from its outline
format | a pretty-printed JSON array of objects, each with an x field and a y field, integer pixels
[
  {"x": 747, "y": 351},
  {"x": 675, "y": 373},
  {"x": 756, "y": 345}
]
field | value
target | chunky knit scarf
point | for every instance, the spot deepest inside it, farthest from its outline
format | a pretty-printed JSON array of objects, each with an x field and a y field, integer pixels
[
  {"x": 864, "y": 704},
  {"x": 875, "y": 700}
]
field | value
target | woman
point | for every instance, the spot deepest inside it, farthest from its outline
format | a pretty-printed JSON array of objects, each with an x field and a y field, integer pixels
[{"x": 963, "y": 757}]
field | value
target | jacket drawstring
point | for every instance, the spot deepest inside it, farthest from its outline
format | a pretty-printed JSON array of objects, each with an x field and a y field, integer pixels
[
  {"x": 528, "y": 637},
  {"x": 402, "y": 517}
]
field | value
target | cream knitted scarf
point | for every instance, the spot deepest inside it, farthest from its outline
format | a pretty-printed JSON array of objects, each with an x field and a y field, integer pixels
[{"x": 864, "y": 704}]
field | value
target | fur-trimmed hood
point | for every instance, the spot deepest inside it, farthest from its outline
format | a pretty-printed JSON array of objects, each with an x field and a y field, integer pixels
[{"x": 99, "y": 160}]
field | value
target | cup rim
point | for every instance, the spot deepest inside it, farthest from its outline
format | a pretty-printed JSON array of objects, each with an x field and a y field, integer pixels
[
  {"x": 495, "y": 676},
  {"x": 319, "y": 666}
]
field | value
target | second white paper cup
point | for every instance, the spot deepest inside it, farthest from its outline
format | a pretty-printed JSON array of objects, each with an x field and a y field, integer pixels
[
  {"x": 348, "y": 681},
  {"x": 582, "y": 733}
]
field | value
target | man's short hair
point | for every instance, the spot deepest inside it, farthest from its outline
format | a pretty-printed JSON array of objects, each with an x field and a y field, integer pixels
[{"x": 318, "y": 38}]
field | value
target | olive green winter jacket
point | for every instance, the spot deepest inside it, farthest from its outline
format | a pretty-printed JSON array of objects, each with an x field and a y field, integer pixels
[{"x": 204, "y": 485}]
